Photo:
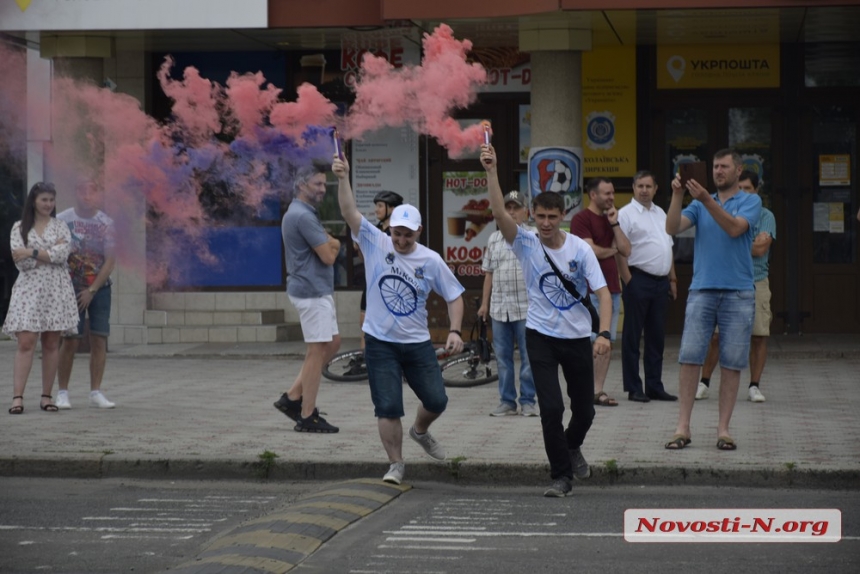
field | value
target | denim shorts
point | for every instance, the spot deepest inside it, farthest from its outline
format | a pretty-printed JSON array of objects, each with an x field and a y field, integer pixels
[
  {"x": 387, "y": 364},
  {"x": 616, "y": 310},
  {"x": 733, "y": 312},
  {"x": 99, "y": 314}
]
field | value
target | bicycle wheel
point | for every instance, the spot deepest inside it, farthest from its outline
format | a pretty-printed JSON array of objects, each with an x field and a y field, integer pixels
[
  {"x": 346, "y": 367},
  {"x": 467, "y": 370}
]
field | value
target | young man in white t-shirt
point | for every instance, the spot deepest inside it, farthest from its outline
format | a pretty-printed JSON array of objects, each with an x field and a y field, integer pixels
[
  {"x": 558, "y": 327},
  {"x": 400, "y": 274},
  {"x": 91, "y": 263}
]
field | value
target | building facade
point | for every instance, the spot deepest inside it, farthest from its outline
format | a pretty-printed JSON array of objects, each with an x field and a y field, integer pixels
[{"x": 618, "y": 85}]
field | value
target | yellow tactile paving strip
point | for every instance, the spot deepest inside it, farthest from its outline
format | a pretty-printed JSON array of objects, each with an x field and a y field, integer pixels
[{"x": 278, "y": 542}]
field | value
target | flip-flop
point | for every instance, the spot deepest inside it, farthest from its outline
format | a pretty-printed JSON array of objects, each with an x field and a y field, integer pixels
[
  {"x": 726, "y": 443},
  {"x": 677, "y": 442},
  {"x": 601, "y": 399}
]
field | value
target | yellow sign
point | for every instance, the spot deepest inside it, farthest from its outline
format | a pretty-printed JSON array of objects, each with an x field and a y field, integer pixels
[
  {"x": 712, "y": 66},
  {"x": 609, "y": 112},
  {"x": 23, "y": 4}
]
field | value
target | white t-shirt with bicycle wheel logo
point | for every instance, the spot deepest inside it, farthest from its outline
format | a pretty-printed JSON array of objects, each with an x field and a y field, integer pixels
[
  {"x": 552, "y": 309},
  {"x": 398, "y": 286}
]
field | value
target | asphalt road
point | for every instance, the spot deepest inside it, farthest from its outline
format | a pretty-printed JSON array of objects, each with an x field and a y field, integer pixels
[
  {"x": 436, "y": 529},
  {"x": 113, "y": 525}
]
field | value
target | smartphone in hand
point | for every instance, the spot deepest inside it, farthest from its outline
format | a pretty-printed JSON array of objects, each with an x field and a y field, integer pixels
[{"x": 695, "y": 170}]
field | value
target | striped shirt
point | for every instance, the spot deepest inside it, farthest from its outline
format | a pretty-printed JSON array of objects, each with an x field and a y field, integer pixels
[{"x": 508, "y": 298}]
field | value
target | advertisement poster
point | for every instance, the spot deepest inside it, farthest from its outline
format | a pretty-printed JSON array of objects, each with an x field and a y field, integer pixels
[
  {"x": 384, "y": 160},
  {"x": 609, "y": 111},
  {"x": 467, "y": 221},
  {"x": 557, "y": 169}
]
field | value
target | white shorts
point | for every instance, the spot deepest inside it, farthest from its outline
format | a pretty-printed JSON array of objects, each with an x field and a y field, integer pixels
[{"x": 318, "y": 317}]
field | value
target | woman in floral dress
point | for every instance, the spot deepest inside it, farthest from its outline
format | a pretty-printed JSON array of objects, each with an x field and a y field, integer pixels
[{"x": 43, "y": 300}]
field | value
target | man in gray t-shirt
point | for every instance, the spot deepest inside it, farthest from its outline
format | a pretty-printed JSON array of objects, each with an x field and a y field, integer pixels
[{"x": 310, "y": 254}]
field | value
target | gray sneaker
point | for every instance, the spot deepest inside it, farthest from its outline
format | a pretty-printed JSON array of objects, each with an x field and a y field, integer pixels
[
  {"x": 503, "y": 410},
  {"x": 559, "y": 488},
  {"x": 433, "y": 449},
  {"x": 528, "y": 410},
  {"x": 395, "y": 473},
  {"x": 581, "y": 470}
]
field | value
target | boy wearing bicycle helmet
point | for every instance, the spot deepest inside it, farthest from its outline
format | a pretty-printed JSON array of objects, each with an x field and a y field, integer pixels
[
  {"x": 384, "y": 202},
  {"x": 400, "y": 274}
]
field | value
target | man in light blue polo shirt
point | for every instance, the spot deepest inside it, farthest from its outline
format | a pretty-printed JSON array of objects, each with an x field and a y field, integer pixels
[{"x": 722, "y": 292}]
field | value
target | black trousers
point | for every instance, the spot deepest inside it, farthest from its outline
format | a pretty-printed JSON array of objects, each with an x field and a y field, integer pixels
[
  {"x": 646, "y": 301},
  {"x": 577, "y": 363}
]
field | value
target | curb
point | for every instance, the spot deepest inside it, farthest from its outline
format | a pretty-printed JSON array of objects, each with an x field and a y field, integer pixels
[
  {"x": 453, "y": 472},
  {"x": 280, "y": 541}
]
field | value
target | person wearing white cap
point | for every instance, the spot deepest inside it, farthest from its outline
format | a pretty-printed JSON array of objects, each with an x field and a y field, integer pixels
[{"x": 400, "y": 274}]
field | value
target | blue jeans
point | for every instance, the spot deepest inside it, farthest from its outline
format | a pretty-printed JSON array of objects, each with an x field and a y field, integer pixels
[
  {"x": 417, "y": 362},
  {"x": 733, "y": 312},
  {"x": 504, "y": 334}
]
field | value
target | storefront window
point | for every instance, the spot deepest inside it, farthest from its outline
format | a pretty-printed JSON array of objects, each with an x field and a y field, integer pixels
[
  {"x": 686, "y": 140},
  {"x": 832, "y": 64},
  {"x": 834, "y": 205}
]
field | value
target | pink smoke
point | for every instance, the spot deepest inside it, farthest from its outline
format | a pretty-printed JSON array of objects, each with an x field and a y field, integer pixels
[
  {"x": 421, "y": 97},
  {"x": 13, "y": 109},
  {"x": 225, "y": 150}
]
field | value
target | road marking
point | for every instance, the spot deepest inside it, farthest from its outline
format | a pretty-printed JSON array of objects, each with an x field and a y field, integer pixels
[{"x": 511, "y": 534}]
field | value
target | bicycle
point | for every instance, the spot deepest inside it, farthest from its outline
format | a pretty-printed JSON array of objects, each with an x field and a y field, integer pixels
[
  {"x": 475, "y": 365},
  {"x": 349, "y": 366}
]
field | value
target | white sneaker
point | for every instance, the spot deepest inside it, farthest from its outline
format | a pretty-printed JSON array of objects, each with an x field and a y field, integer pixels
[
  {"x": 504, "y": 409},
  {"x": 754, "y": 395},
  {"x": 395, "y": 473},
  {"x": 702, "y": 391},
  {"x": 63, "y": 400},
  {"x": 529, "y": 410},
  {"x": 433, "y": 449},
  {"x": 97, "y": 399}
]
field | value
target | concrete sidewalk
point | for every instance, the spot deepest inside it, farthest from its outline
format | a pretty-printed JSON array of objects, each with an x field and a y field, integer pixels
[{"x": 205, "y": 411}]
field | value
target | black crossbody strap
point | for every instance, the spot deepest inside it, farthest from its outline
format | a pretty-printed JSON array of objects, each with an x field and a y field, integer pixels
[
  {"x": 568, "y": 284},
  {"x": 571, "y": 288}
]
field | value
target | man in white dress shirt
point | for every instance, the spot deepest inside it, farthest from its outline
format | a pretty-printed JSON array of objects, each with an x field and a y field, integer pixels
[{"x": 649, "y": 280}]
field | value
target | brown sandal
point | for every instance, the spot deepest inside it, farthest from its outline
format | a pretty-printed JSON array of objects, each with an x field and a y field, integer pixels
[
  {"x": 17, "y": 409},
  {"x": 677, "y": 442},
  {"x": 603, "y": 400},
  {"x": 50, "y": 407}
]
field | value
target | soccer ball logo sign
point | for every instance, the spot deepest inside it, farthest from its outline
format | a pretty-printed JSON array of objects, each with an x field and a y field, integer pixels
[
  {"x": 555, "y": 175},
  {"x": 559, "y": 170}
]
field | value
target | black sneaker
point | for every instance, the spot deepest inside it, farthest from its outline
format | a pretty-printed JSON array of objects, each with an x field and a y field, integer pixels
[
  {"x": 291, "y": 408},
  {"x": 315, "y": 423},
  {"x": 559, "y": 488},
  {"x": 581, "y": 470}
]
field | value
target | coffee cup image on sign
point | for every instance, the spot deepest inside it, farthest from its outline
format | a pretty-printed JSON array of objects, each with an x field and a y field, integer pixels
[
  {"x": 695, "y": 170},
  {"x": 457, "y": 223}
]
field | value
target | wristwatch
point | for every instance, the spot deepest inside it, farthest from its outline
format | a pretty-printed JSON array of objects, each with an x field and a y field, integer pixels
[
  {"x": 92, "y": 290},
  {"x": 35, "y": 254},
  {"x": 606, "y": 335}
]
